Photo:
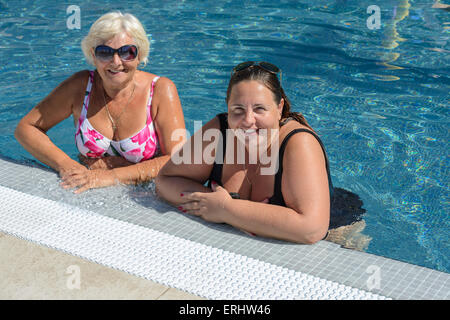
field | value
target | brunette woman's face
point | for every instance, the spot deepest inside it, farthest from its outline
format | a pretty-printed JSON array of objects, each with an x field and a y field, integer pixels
[{"x": 252, "y": 107}]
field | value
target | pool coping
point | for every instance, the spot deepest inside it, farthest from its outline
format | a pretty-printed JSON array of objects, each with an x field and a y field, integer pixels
[{"x": 322, "y": 265}]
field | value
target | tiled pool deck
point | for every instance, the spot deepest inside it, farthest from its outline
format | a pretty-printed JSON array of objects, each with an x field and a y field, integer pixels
[{"x": 232, "y": 265}]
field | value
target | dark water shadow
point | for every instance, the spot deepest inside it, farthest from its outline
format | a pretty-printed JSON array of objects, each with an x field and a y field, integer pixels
[{"x": 346, "y": 208}]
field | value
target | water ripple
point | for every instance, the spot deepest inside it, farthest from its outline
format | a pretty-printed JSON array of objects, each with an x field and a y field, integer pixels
[{"x": 378, "y": 98}]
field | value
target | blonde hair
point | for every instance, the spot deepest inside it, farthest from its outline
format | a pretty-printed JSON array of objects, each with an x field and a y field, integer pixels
[{"x": 112, "y": 24}]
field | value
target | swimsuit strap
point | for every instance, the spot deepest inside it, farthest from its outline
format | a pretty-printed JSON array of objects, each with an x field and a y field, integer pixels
[
  {"x": 153, "y": 86},
  {"x": 149, "y": 104},
  {"x": 87, "y": 95},
  {"x": 277, "y": 194},
  {"x": 216, "y": 172}
]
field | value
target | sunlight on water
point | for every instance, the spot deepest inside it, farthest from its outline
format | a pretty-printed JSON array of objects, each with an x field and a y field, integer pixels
[{"x": 378, "y": 98}]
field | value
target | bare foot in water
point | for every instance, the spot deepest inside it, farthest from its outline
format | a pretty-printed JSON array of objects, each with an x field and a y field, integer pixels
[
  {"x": 351, "y": 236},
  {"x": 439, "y": 5}
]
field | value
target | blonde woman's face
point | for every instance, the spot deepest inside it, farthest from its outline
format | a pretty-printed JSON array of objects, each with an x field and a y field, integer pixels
[{"x": 116, "y": 71}]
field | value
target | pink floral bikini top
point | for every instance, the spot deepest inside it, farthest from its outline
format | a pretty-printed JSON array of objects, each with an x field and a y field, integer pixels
[{"x": 91, "y": 143}]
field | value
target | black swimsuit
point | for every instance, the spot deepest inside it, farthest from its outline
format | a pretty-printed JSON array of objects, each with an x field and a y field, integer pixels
[
  {"x": 348, "y": 211},
  {"x": 277, "y": 198}
]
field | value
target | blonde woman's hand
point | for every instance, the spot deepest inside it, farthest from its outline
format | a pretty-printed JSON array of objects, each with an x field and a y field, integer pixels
[{"x": 84, "y": 179}]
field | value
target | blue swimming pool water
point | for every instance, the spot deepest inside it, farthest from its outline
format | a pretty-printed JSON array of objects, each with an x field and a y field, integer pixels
[{"x": 378, "y": 98}]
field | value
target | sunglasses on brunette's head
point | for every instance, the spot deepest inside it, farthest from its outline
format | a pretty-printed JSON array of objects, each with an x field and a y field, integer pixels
[
  {"x": 262, "y": 64},
  {"x": 126, "y": 53}
]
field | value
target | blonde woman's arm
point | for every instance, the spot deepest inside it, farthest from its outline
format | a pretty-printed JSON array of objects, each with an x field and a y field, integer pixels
[{"x": 31, "y": 132}]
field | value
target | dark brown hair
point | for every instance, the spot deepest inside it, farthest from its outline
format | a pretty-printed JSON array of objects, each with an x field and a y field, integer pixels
[{"x": 270, "y": 80}]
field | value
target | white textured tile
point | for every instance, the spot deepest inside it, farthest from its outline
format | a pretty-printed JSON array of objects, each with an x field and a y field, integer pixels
[{"x": 179, "y": 263}]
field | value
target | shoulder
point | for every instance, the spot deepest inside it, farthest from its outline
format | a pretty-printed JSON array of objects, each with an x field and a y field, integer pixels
[
  {"x": 210, "y": 128},
  {"x": 81, "y": 75},
  {"x": 164, "y": 91},
  {"x": 72, "y": 88},
  {"x": 161, "y": 83},
  {"x": 164, "y": 88},
  {"x": 214, "y": 123},
  {"x": 164, "y": 82},
  {"x": 305, "y": 177},
  {"x": 77, "y": 80},
  {"x": 301, "y": 144},
  {"x": 297, "y": 132}
]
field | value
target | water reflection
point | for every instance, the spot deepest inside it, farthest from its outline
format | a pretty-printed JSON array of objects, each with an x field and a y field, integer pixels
[{"x": 392, "y": 38}]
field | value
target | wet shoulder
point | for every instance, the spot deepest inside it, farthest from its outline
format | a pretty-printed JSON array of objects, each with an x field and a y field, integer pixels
[
  {"x": 291, "y": 126},
  {"x": 300, "y": 144},
  {"x": 163, "y": 89},
  {"x": 146, "y": 79}
]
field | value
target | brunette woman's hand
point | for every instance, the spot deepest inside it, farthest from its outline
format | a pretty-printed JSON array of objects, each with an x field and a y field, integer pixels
[{"x": 211, "y": 206}]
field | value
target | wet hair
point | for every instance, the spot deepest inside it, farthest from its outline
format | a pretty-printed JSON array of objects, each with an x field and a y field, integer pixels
[{"x": 270, "y": 80}]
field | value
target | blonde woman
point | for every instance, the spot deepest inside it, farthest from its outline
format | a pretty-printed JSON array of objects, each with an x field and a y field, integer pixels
[{"x": 124, "y": 117}]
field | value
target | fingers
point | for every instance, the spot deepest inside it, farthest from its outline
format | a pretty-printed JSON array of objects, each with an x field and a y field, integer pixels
[
  {"x": 215, "y": 186},
  {"x": 87, "y": 179},
  {"x": 191, "y": 196},
  {"x": 74, "y": 180},
  {"x": 193, "y": 207},
  {"x": 72, "y": 171}
]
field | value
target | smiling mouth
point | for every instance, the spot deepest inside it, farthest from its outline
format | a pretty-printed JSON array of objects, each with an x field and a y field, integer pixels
[
  {"x": 250, "y": 132},
  {"x": 115, "y": 72},
  {"x": 247, "y": 134}
]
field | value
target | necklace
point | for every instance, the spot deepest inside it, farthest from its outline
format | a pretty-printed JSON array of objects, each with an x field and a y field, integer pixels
[
  {"x": 259, "y": 165},
  {"x": 246, "y": 171},
  {"x": 113, "y": 123}
]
